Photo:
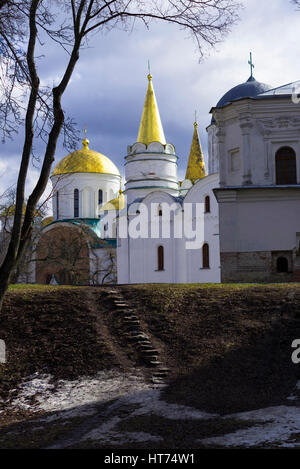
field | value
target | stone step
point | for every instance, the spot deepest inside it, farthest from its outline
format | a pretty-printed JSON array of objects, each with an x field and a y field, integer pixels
[
  {"x": 135, "y": 330},
  {"x": 137, "y": 337},
  {"x": 121, "y": 305},
  {"x": 148, "y": 346},
  {"x": 122, "y": 312},
  {"x": 154, "y": 363},
  {"x": 157, "y": 380},
  {"x": 131, "y": 318},
  {"x": 151, "y": 352},
  {"x": 132, "y": 321},
  {"x": 160, "y": 374}
]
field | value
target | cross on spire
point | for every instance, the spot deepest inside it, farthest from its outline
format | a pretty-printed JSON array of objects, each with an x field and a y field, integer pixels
[{"x": 252, "y": 66}]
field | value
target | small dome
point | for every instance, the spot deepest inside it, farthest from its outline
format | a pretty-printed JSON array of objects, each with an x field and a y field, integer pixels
[
  {"x": 85, "y": 161},
  {"x": 249, "y": 89}
]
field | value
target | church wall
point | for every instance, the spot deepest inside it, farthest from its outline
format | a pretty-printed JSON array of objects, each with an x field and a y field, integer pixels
[
  {"x": 88, "y": 185},
  {"x": 147, "y": 170},
  {"x": 256, "y": 227},
  {"x": 138, "y": 258},
  {"x": 213, "y": 155},
  {"x": 195, "y": 271},
  {"x": 249, "y": 133}
]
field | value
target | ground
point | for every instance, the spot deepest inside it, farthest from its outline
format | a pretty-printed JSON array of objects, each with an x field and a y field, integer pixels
[{"x": 73, "y": 379}]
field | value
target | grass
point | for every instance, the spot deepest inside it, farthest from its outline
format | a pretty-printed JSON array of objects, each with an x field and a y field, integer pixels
[{"x": 228, "y": 346}]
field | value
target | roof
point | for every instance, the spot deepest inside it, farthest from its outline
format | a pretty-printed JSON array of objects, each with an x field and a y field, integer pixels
[
  {"x": 250, "y": 89},
  {"x": 85, "y": 161},
  {"x": 196, "y": 166},
  {"x": 151, "y": 129},
  {"x": 118, "y": 203},
  {"x": 283, "y": 90},
  {"x": 11, "y": 209},
  {"x": 47, "y": 221},
  {"x": 93, "y": 229}
]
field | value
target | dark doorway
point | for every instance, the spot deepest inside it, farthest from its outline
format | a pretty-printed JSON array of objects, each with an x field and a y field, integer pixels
[
  {"x": 286, "y": 171},
  {"x": 160, "y": 258},
  {"x": 282, "y": 265},
  {"x": 205, "y": 256}
]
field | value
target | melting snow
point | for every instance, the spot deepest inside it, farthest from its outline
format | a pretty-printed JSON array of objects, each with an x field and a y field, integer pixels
[
  {"x": 278, "y": 425},
  {"x": 132, "y": 396}
]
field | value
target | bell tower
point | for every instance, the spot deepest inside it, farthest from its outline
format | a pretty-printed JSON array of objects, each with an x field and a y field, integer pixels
[{"x": 151, "y": 162}]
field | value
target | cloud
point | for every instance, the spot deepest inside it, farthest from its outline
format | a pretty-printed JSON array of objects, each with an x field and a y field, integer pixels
[{"x": 108, "y": 87}]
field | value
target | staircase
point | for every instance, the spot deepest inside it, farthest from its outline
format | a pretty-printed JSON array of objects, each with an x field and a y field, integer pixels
[{"x": 139, "y": 340}]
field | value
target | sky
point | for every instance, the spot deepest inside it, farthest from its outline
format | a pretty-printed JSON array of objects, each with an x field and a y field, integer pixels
[{"x": 108, "y": 87}]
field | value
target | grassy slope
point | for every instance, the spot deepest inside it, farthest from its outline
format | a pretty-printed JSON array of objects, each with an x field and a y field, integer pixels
[
  {"x": 229, "y": 346},
  {"x": 53, "y": 330}
]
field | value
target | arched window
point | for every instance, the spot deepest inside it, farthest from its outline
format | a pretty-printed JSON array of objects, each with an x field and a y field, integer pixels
[
  {"x": 207, "y": 204},
  {"x": 100, "y": 196},
  {"x": 205, "y": 256},
  {"x": 282, "y": 264},
  {"x": 76, "y": 203},
  {"x": 57, "y": 204},
  {"x": 286, "y": 171},
  {"x": 160, "y": 258}
]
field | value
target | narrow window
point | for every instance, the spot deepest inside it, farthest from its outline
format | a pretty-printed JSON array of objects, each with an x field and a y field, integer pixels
[
  {"x": 159, "y": 211},
  {"x": 100, "y": 196},
  {"x": 76, "y": 203},
  {"x": 57, "y": 204},
  {"x": 282, "y": 265},
  {"x": 205, "y": 256},
  {"x": 207, "y": 204},
  {"x": 160, "y": 258},
  {"x": 286, "y": 171}
]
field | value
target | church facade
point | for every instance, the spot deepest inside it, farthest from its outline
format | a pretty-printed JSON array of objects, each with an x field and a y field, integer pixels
[
  {"x": 238, "y": 221},
  {"x": 258, "y": 135}
]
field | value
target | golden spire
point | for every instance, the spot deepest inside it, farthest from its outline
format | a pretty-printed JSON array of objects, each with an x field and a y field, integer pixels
[
  {"x": 85, "y": 141},
  {"x": 151, "y": 129},
  {"x": 196, "y": 166}
]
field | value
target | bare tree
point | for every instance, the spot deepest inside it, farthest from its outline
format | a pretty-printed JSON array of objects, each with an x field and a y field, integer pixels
[
  {"x": 24, "y": 269},
  {"x": 70, "y": 254},
  {"x": 23, "y": 23}
]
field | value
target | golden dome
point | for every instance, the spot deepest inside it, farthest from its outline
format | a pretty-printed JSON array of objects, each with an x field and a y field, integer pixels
[
  {"x": 115, "y": 204},
  {"x": 85, "y": 161},
  {"x": 46, "y": 221}
]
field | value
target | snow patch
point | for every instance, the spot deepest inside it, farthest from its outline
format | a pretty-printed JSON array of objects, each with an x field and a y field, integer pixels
[
  {"x": 39, "y": 393},
  {"x": 280, "y": 424}
]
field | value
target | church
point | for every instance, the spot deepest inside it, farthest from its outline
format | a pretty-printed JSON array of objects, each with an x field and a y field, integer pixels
[{"x": 245, "y": 206}]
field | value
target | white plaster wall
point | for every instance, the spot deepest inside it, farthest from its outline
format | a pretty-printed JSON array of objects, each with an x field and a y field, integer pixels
[
  {"x": 257, "y": 129},
  {"x": 153, "y": 167},
  {"x": 195, "y": 272},
  {"x": 88, "y": 185},
  {"x": 259, "y": 220},
  {"x": 213, "y": 155},
  {"x": 137, "y": 258}
]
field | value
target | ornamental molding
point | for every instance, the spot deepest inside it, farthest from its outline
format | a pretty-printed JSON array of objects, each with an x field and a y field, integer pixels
[{"x": 279, "y": 123}]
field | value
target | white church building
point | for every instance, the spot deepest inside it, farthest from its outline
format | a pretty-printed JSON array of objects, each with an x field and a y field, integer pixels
[{"x": 245, "y": 210}]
